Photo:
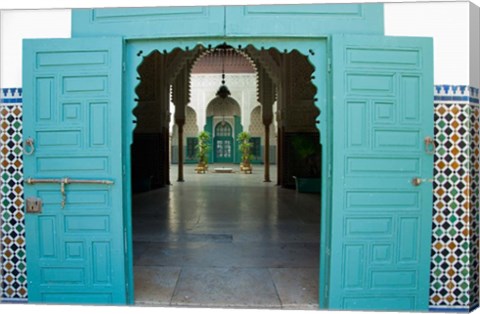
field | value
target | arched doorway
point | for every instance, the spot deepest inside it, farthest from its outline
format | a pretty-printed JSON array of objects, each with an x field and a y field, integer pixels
[
  {"x": 224, "y": 124},
  {"x": 223, "y": 143},
  {"x": 162, "y": 218}
]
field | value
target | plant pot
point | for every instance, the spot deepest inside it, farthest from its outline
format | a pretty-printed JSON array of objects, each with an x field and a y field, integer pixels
[{"x": 308, "y": 185}]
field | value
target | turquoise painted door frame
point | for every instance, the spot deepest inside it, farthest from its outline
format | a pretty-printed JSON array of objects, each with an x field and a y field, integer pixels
[
  {"x": 73, "y": 114},
  {"x": 209, "y": 129},
  {"x": 315, "y": 48},
  {"x": 306, "y": 20}
]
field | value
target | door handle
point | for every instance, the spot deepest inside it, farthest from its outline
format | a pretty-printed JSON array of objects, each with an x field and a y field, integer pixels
[
  {"x": 417, "y": 181},
  {"x": 29, "y": 143}
]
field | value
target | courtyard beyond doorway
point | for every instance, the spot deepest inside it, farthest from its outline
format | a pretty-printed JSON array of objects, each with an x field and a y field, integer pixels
[{"x": 226, "y": 240}]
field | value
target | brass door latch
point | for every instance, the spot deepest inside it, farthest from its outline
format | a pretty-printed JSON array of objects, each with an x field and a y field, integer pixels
[
  {"x": 417, "y": 181},
  {"x": 66, "y": 181}
]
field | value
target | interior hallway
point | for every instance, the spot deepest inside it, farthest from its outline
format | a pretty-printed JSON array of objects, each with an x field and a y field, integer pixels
[{"x": 226, "y": 240}]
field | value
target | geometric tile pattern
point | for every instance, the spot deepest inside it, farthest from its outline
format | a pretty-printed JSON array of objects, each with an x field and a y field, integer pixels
[
  {"x": 455, "y": 236},
  {"x": 475, "y": 201},
  {"x": 12, "y": 227},
  {"x": 455, "y": 212}
]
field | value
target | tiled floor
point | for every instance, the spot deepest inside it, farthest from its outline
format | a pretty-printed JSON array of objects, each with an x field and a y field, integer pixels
[{"x": 226, "y": 240}]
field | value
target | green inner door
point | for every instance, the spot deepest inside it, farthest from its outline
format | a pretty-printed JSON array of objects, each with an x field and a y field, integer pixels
[
  {"x": 72, "y": 116},
  {"x": 223, "y": 143}
]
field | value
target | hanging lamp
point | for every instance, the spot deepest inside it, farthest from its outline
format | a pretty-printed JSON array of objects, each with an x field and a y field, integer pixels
[{"x": 223, "y": 91}]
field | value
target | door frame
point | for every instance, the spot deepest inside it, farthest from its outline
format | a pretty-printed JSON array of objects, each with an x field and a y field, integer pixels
[{"x": 316, "y": 48}]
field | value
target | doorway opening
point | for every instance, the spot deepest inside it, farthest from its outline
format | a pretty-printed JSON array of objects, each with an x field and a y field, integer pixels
[{"x": 226, "y": 239}]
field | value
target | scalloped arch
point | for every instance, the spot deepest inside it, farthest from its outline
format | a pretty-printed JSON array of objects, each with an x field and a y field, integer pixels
[{"x": 223, "y": 107}]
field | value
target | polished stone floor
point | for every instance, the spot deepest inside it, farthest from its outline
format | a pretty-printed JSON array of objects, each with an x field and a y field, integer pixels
[{"x": 226, "y": 240}]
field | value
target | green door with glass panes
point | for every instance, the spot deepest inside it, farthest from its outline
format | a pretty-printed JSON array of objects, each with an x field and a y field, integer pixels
[{"x": 223, "y": 143}]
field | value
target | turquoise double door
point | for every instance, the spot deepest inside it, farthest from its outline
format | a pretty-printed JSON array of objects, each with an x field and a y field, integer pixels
[{"x": 376, "y": 224}]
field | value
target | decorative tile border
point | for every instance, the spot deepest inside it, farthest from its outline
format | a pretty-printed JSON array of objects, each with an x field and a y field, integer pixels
[
  {"x": 11, "y": 96},
  {"x": 459, "y": 94},
  {"x": 455, "y": 238},
  {"x": 12, "y": 230}
]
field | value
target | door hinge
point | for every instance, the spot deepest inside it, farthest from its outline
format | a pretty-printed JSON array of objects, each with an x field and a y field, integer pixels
[
  {"x": 124, "y": 67},
  {"x": 329, "y": 65},
  {"x": 123, "y": 170},
  {"x": 328, "y": 252},
  {"x": 330, "y": 170},
  {"x": 326, "y": 292}
]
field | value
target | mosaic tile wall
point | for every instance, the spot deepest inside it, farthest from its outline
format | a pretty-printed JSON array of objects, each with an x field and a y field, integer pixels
[
  {"x": 475, "y": 201},
  {"x": 454, "y": 266},
  {"x": 455, "y": 241},
  {"x": 12, "y": 241}
]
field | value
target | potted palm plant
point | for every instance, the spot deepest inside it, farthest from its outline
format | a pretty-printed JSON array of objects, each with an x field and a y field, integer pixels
[
  {"x": 308, "y": 152},
  {"x": 245, "y": 147},
  {"x": 202, "y": 151}
]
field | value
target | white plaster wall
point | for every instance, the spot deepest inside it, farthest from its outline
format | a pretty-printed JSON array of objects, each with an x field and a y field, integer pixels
[
  {"x": 243, "y": 88},
  {"x": 474, "y": 45},
  {"x": 15, "y": 25},
  {"x": 448, "y": 24}
]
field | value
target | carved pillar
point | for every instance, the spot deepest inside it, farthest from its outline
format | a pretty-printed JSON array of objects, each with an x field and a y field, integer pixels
[
  {"x": 279, "y": 151},
  {"x": 266, "y": 96},
  {"x": 166, "y": 145},
  {"x": 180, "y": 99},
  {"x": 180, "y": 123},
  {"x": 165, "y": 107},
  {"x": 266, "y": 155},
  {"x": 283, "y": 99}
]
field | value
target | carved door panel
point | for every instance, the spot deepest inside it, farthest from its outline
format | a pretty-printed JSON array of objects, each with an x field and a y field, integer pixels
[
  {"x": 381, "y": 222},
  {"x": 72, "y": 116}
]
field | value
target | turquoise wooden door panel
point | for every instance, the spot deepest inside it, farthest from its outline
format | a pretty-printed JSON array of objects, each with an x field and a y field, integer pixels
[
  {"x": 72, "y": 111},
  {"x": 381, "y": 223}
]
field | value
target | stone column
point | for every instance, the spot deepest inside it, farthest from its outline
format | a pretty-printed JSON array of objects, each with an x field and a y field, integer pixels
[
  {"x": 266, "y": 96},
  {"x": 266, "y": 155},
  {"x": 180, "y": 99},
  {"x": 180, "y": 123}
]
